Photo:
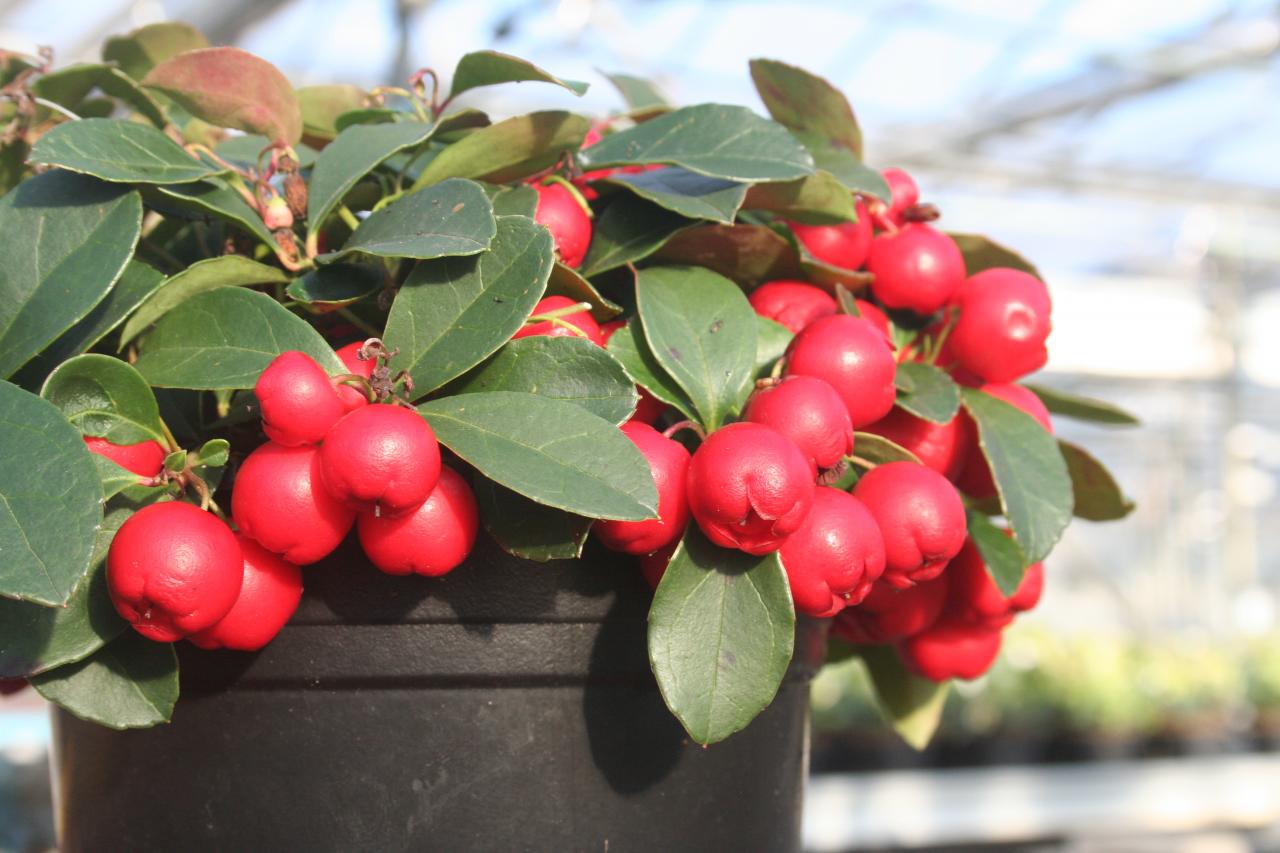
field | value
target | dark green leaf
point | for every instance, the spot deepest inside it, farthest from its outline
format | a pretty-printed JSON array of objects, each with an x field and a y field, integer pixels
[
  {"x": 566, "y": 281},
  {"x": 453, "y": 313},
  {"x": 50, "y": 500},
  {"x": 641, "y": 95},
  {"x": 701, "y": 329},
  {"x": 629, "y": 347},
  {"x": 806, "y": 102},
  {"x": 550, "y": 451},
  {"x": 1005, "y": 560},
  {"x": 629, "y": 230},
  {"x": 529, "y": 530},
  {"x": 139, "y": 51},
  {"x": 711, "y": 139},
  {"x": 909, "y": 703},
  {"x": 367, "y": 115},
  {"x": 819, "y": 199},
  {"x": 1097, "y": 496},
  {"x": 129, "y": 683},
  {"x": 105, "y": 397},
  {"x": 1028, "y": 470},
  {"x": 520, "y": 200},
  {"x": 877, "y": 449},
  {"x": 1082, "y": 408},
  {"x": 489, "y": 68},
  {"x": 35, "y": 638},
  {"x": 721, "y": 634},
  {"x": 355, "y": 152},
  {"x": 224, "y": 339},
  {"x": 748, "y": 254},
  {"x": 118, "y": 150},
  {"x": 336, "y": 285},
  {"x": 70, "y": 86},
  {"x": 508, "y": 150},
  {"x": 686, "y": 193},
  {"x": 321, "y": 106},
  {"x": 114, "y": 478},
  {"x": 844, "y": 165},
  {"x": 932, "y": 395},
  {"x": 247, "y": 151},
  {"x": 450, "y": 219},
  {"x": 213, "y": 197},
  {"x": 772, "y": 340},
  {"x": 67, "y": 238},
  {"x": 982, "y": 253}
]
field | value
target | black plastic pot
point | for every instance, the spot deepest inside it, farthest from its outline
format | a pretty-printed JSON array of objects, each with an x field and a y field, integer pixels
[{"x": 508, "y": 706}]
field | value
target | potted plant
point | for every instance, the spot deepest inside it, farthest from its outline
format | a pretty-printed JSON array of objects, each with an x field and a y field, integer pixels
[{"x": 243, "y": 321}]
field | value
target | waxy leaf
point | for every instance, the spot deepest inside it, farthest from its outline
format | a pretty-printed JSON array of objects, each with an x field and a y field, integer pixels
[
  {"x": 508, "y": 150},
  {"x": 35, "y": 638},
  {"x": 844, "y": 165},
  {"x": 555, "y": 453},
  {"x": 336, "y": 285},
  {"x": 772, "y": 340},
  {"x": 1005, "y": 560},
  {"x": 806, "y": 102},
  {"x": 224, "y": 339},
  {"x": 566, "y": 281},
  {"x": 747, "y": 254},
  {"x": 642, "y": 96},
  {"x": 519, "y": 200},
  {"x": 631, "y": 350},
  {"x": 105, "y": 397},
  {"x": 878, "y": 450},
  {"x": 711, "y": 139},
  {"x": 50, "y": 500},
  {"x": 1082, "y": 408},
  {"x": 129, "y": 683},
  {"x": 67, "y": 239},
  {"x": 721, "y": 634},
  {"x": 686, "y": 193},
  {"x": 701, "y": 329},
  {"x": 630, "y": 229},
  {"x": 70, "y": 86},
  {"x": 490, "y": 68},
  {"x": 819, "y": 199},
  {"x": 321, "y": 106},
  {"x": 1097, "y": 496},
  {"x": 982, "y": 253},
  {"x": 230, "y": 87},
  {"x": 527, "y": 529},
  {"x": 146, "y": 47},
  {"x": 353, "y": 154},
  {"x": 450, "y": 219},
  {"x": 911, "y": 704},
  {"x": 211, "y": 197},
  {"x": 931, "y": 394}
]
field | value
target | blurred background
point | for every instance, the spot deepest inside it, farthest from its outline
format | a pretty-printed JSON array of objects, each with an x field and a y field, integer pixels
[{"x": 1131, "y": 150}]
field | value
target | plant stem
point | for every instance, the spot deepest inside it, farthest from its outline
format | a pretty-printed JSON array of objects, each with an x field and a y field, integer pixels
[{"x": 348, "y": 217}]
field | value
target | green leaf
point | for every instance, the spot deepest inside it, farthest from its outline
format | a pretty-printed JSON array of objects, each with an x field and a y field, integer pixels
[
  {"x": 1097, "y": 496},
  {"x": 878, "y": 450},
  {"x": 70, "y": 86},
  {"x": 490, "y": 68},
  {"x": 721, "y": 634},
  {"x": 686, "y": 193},
  {"x": 508, "y": 150},
  {"x": 451, "y": 219},
  {"x": 67, "y": 238},
  {"x": 747, "y": 254},
  {"x": 214, "y": 453},
  {"x": 566, "y": 281},
  {"x": 932, "y": 394},
  {"x": 571, "y": 369},
  {"x": 806, "y": 102},
  {"x": 247, "y": 150},
  {"x": 520, "y": 200},
  {"x": 844, "y": 165},
  {"x": 711, "y": 139},
  {"x": 35, "y": 638},
  {"x": 129, "y": 683},
  {"x": 701, "y": 329},
  {"x": 105, "y": 397},
  {"x": 772, "y": 340},
  {"x": 336, "y": 285},
  {"x": 1029, "y": 472},
  {"x": 550, "y": 451},
  {"x": 230, "y": 87},
  {"x": 1005, "y": 560},
  {"x": 321, "y": 106},
  {"x": 527, "y": 529},
  {"x": 224, "y": 339},
  {"x": 354, "y": 153},
  {"x": 631, "y": 350},
  {"x": 50, "y": 500},
  {"x": 118, "y": 150},
  {"x": 819, "y": 199},
  {"x": 213, "y": 197},
  {"x": 911, "y": 704},
  {"x": 1082, "y": 408},
  {"x": 451, "y": 314},
  {"x": 367, "y": 115},
  {"x": 200, "y": 277},
  {"x": 139, "y": 51},
  {"x": 642, "y": 96},
  {"x": 629, "y": 230},
  {"x": 114, "y": 478},
  {"x": 982, "y": 253}
]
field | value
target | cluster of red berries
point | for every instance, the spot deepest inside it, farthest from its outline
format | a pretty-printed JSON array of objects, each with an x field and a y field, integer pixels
[{"x": 334, "y": 460}]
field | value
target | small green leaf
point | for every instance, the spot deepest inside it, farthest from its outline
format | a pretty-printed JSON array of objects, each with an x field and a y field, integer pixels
[
  {"x": 711, "y": 139},
  {"x": 806, "y": 102},
  {"x": 555, "y": 453},
  {"x": 1005, "y": 560},
  {"x": 118, "y": 150},
  {"x": 211, "y": 197},
  {"x": 129, "y": 683},
  {"x": 642, "y": 97},
  {"x": 336, "y": 285},
  {"x": 631, "y": 350},
  {"x": 931, "y": 394},
  {"x": 35, "y": 638},
  {"x": 105, "y": 397},
  {"x": 721, "y": 634},
  {"x": 747, "y": 254},
  {"x": 214, "y": 453},
  {"x": 70, "y": 86},
  {"x": 982, "y": 253},
  {"x": 354, "y": 153},
  {"x": 1082, "y": 408},
  {"x": 772, "y": 340},
  {"x": 701, "y": 329},
  {"x": 878, "y": 450},
  {"x": 686, "y": 193},
  {"x": 141, "y": 50},
  {"x": 819, "y": 199},
  {"x": 629, "y": 230},
  {"x": 1096, "y": 495},
  {"x": 508, "y": 150},
  {"x": 321, "y": 106},
  {"x": 490, "y": 68},
  {"x": 911, "y": 704},
  {"x": 527, "y": 529},
  {"x": 566, "y": 281},
  {"x": 176, "y": 461}
]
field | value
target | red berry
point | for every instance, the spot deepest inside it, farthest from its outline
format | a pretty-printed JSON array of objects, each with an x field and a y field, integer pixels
[
  {"x": 146, "y": 458},
  {"x": 281, "y": 503},
  {"x": 749, "y": 488},
  {"x": 921, "y": 516},
  {"x": 350, "y": 355},
  {"x": 649, "y": 409},
  {"x": 915, "y": 267},
  {"x": 974, "y": 598},
  {"x": 975, "y": 475},
  {"x": 942, "y": 447},
  {"x": 173, "y": 569},
  {"x": 607, "y": 330},
  {"x": 1003, "y": 325},
  {"x": 809, "y": 413},
  {"x": 854, "y": 357},
  {"x": 432, "y": 539},
  {"x": 872, "y": 313},
  {"x": 381, "y": 456},
  {"x": 951, "y": 649},
  {"x": 669, "y": 464},
  {"x": 270, "y": 594},
  {"x": 581, "y": 320},
  {"x": 794, "y": 304},
  {"x": 565, "y": 218},
  {"x": 654, "y": 566},
  {"x": 889, "y": 614},
  {"x": 843, "y": 245},
  {"x": 835, "y": 556},
  {"x": 299, "y": 403},
  {"x": 903, "y": 193}
]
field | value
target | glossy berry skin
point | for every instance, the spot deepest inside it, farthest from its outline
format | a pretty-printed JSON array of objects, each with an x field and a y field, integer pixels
[
  {"x": 299, "y": 403},
  {"x": 270, "y": 594},
  {"x": 581, "y": 320},
  {"x": 975, "y": 475},
  {"x": 809, "y": 413},
  {"x": 280, "y": 501},
  {"x": 854, "y": 358},
  {"x": 920, "y": 515},
  {"x": 669, "y": 463},
  {"x": 835, "y": 556},
  {"x": 172, "y": 570},
  {"x": 872, "y": 313},
  {"x": 794, "y": 304},
  {"x": 844, "y": 245},
  {"x": 146, "y": 458},
  {"x": 381, "y": 456},
  {"x": 1003, "y": 325},
  {"x": 942, "y": 447},
  {"x": 565, "y": 218},
  {"x": 889, "y": 614},
  {"x": 916, "y": 267},
  {"x": 974, "y": 598},
  {"x": 654, "y": 566},
  {"x": 903, "y": 194},
  {"x": 749, "y": 488},
  {"x": 432, "y": 539},
  {"x": 951, "y": 649},
  {"x": 350, "y": 355}
]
